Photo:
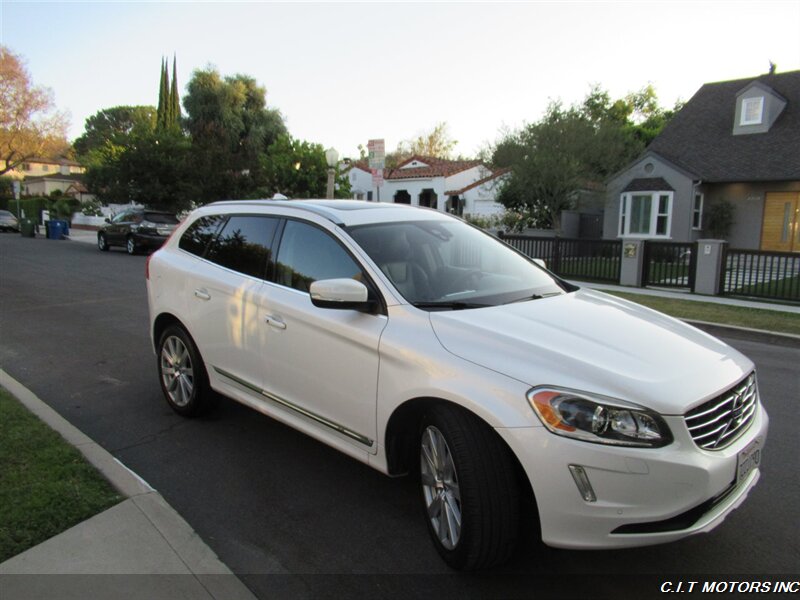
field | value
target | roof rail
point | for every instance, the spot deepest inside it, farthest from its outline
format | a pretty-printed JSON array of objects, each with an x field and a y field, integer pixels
[{"x": 312, "y": 208}]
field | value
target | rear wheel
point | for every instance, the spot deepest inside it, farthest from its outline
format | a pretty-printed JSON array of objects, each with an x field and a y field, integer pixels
[
  {"x": 470, "y": 493},
  {"x": 102, "y": 242},
  {"x": 130, "y": 245},
  {"x": 182, "y": 375}
]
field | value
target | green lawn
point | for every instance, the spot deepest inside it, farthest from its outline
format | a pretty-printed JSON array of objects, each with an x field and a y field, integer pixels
[
  {"x": 755, "y": 318},
  {"x": 779, "y": 289},
  {"x": 46, "y": 486},
  {"x": 594, "y": 267}
]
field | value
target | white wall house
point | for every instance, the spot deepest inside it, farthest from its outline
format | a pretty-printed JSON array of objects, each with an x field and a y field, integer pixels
[{"x": 463, "y": 187}]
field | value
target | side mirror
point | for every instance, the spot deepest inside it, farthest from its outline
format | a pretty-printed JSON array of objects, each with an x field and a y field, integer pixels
[
  {"x": 347, "y": 294},
  {"x": 107, "y": 220},
  {"x": 540, "y": 262}
]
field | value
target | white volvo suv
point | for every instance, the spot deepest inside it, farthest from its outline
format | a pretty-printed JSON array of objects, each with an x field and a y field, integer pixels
[{"x": 418, "y": 344}]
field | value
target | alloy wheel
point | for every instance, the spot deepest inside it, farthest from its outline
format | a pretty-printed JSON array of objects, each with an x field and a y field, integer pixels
[
  {"x": 440, "y": 487},
  {"x": 177, "y": 373}
]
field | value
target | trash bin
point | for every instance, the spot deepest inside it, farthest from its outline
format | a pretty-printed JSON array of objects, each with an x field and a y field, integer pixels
[
  {"x": 26, "y": 228},
  {"x": 64, "y": 226},
  {"x": 55, "y": 231}
]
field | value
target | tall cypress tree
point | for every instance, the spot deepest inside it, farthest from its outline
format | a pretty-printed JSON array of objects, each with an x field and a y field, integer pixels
[
  {"x": 174, "y": 100},
  {"x": 163, "y": 93}
]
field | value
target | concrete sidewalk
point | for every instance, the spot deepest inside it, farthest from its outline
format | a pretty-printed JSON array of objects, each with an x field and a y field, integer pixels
[{"x": 140, "y": 548}]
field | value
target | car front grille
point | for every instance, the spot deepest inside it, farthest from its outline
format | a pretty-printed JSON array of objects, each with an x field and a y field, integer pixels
[{"x": 717, "y": 423}]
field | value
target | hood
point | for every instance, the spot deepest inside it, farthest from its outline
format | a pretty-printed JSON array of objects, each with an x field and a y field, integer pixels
[{"x": 594, "y": 342}]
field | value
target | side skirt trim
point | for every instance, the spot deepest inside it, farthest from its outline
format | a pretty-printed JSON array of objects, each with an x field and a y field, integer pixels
[{"x": 361, "y": 439}]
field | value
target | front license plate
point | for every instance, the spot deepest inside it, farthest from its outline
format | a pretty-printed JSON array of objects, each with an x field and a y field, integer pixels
[{"x": 748, "y": 459}]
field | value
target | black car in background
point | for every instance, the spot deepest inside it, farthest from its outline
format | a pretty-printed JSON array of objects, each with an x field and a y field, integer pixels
[{"x": 137, "y": 229}]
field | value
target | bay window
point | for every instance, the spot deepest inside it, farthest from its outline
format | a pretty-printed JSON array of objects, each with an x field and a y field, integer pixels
[{"x": 646, "y": 214}]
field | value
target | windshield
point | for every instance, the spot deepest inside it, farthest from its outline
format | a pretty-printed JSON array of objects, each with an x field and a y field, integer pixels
[{"x": 449, "y": 264}]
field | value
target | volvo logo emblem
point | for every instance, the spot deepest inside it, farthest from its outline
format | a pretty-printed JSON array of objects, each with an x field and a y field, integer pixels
[{"x": 736, "y": 416}]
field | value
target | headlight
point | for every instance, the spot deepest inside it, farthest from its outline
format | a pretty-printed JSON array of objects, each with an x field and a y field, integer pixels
[{"x": 598, "y": 419}]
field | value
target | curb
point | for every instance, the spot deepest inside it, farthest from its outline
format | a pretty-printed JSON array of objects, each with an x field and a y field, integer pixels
[
  {"x": 763, "y": 335},
  {"x": 199, "y": 560}
]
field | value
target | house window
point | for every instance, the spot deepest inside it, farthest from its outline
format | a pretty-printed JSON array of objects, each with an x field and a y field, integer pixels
[
  {"x": 45, "y": 167},
  {"x": 697, "y": 212},
  {"x": 752, "y": 111},
  {"x": 26, "y": 166},
  {"x": 369, "y": 196},
  {"x": 646, "y": 214}
]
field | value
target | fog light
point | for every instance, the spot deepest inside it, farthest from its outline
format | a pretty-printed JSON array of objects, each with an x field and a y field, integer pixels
[{"x": 582, "y": 481}]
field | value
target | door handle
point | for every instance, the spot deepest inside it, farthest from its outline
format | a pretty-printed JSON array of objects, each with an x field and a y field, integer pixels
[
  {"x": 274, "y": 322},
  {"x": 202, "y": 294}
]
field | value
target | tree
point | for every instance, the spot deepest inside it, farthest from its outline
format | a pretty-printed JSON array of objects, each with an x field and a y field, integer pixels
[
  {"x": 231, "y": 129},
  {"x": 150, "y": 168},
  {"x": 114, "y": 126},
  {"x": 168, "y": 114},
  {"x": 436, "y": 143},
  {"x": 29, "y": 125},
  {"x": 174, "y": 99},
  {"x": 571, "y": 147},
  {"x": 298, "y": 169}
]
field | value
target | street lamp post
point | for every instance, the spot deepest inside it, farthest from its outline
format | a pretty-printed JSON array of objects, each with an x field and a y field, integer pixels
[{"x": 332, "y": 158}]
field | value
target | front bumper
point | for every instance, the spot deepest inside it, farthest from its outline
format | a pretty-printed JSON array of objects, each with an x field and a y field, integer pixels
[{"x": 644, "y": 496}]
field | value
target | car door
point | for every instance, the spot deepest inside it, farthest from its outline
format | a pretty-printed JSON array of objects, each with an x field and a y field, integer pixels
[
  {"x": 115, "y": 231},
  {"x": 317, "y": 362},
  {"x": 224, "y": 296}
]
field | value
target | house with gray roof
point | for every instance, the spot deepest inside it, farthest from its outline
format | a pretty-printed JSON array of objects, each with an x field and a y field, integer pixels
[{"x": 735, "y": 141}]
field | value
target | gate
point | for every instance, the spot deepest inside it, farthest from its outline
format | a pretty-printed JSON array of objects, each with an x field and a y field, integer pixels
[{"x": 669, "y": 264}]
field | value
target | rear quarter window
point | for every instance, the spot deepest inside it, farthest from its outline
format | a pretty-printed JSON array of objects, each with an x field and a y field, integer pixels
[{"x": 196, "y": 238}]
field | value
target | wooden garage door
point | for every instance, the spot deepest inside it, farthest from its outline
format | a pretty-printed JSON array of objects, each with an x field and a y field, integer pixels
[{"x": 780, "y": 230}]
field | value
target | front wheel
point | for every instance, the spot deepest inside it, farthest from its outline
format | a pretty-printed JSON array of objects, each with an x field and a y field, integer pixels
[
  {"x": 102, "y": 242},
  {"x": 182, "y": 375},
  {"x": 470, "y": 492},
  {"x": 130, "y": 245}
]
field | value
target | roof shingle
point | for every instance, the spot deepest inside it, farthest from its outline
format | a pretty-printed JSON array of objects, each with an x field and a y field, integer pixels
[{"x": 700, "y": 138}]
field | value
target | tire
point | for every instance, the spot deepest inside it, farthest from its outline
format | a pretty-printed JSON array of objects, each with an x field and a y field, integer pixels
[
  {"x": 130, "y": 245},
  {"x": 470, "y": 492},
  {"x": 102, "y": 242},
  {"x": 182, "y": 375}
]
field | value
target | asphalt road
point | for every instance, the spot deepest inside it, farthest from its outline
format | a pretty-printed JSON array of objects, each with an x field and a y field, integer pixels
[{"x": 290, "y": 515}]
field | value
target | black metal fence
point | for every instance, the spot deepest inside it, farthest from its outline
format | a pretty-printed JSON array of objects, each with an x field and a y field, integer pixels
[
  {"x": 594, "y": 260},
  {"x": 669, "y": 264},
  {"x": 761, "y": 274}
]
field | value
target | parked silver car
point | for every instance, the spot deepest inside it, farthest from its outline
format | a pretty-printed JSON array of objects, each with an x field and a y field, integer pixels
[{"x": 8, "y": 222}]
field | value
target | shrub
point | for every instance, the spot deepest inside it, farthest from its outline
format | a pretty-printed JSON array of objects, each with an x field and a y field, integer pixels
[
  {"x": 719, "y": 219},
  {"x": 484, "y": 222},
  {"x": 91, "y": 208}
]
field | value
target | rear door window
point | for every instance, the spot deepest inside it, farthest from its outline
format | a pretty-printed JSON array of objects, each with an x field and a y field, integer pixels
[{"x": 244, "y": 243}]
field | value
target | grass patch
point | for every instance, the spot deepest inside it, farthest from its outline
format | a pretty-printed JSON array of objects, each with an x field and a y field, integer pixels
[
  {"x": 755, "y": 318},
  {"x": 591, "y": 268},
  {"x": 46, "y": 485},
  {"x": 779, "y": 289}
]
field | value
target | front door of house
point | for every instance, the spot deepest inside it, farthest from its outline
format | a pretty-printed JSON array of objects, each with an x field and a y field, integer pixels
[{"x": 780, "y": 230}]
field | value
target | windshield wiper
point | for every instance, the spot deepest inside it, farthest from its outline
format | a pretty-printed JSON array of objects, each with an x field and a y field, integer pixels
[
  {"x": 534, "y": 297},
  {"x": 455, "y": 305}
]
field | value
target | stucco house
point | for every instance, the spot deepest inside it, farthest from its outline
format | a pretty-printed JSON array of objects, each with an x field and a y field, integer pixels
[
  {"x": 70, "y": 184},
  {"x": 737, "y": 141},
  {"x": 39, "y": 167},
  {"x": 462, "y": 187}
]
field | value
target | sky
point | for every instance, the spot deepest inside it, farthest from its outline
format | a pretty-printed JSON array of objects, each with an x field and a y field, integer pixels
[{"x": 344, "y": 73}]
